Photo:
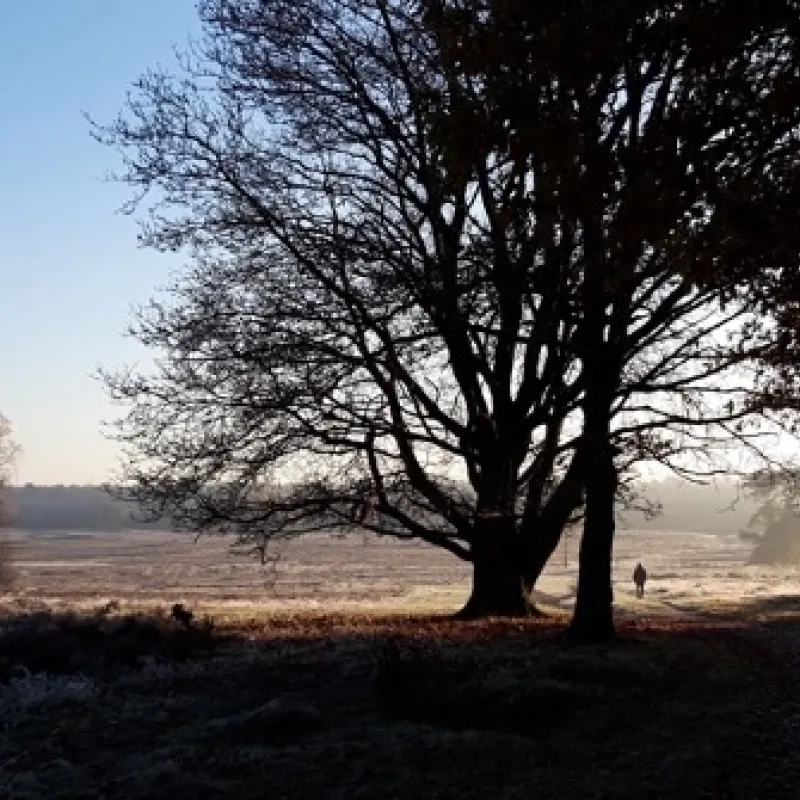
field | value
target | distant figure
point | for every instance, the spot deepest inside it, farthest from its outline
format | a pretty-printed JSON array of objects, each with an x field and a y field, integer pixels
[
  {"x": 111, "y": 605},
  {"x": 640, "y": 578}
]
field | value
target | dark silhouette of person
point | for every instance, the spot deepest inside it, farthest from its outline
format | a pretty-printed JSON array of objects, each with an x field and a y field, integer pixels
[{"x": 639, "y": 578}]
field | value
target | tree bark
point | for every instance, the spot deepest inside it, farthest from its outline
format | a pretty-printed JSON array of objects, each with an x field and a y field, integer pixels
[
  {"x": 593, "y": 619},
  {"x": 498, "y": 579}
]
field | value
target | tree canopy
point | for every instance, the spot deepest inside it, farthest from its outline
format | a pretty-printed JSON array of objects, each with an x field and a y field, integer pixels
[
  {"x": 511, "y": 243},
  {"x": 777, "y": 515},
  {"x": 662, "y": 158}
]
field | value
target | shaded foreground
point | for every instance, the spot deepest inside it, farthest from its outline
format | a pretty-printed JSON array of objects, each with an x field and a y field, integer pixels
[{"x": 126, "y": 706}]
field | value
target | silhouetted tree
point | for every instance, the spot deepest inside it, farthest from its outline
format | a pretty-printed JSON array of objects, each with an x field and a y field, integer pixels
[
  {"x": 656, "y": 147},
  {"x": 8, "y": 454},
  {"x": 778, "y": 515},
  {"x": 351, "y": 326},
  {"x": 502, "y": 240}
]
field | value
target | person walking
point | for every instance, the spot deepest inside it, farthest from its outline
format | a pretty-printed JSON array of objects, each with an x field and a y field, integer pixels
[{"x": 639, "y": 578}]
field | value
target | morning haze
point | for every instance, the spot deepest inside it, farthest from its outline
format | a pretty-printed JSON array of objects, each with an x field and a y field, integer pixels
[{"x": 452, "y": 447}]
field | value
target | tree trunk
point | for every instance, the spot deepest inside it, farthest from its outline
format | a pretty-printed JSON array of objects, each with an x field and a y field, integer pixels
[
  {"x": 541, "y": 546},
  {"x": 593, "y": 619},
  {"x": 549, "y": 526},
  {"x": 498, "y": 580}
]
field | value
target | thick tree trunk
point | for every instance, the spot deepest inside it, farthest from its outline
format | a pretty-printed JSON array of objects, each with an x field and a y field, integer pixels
[
  {"x": 498, "y": 580},
  {"x": 593, "y": 619}
]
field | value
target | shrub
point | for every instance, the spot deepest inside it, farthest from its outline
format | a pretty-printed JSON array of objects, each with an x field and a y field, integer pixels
[
  {"x": 33, "y": 689},
  {"x": 69, "y": 644}
]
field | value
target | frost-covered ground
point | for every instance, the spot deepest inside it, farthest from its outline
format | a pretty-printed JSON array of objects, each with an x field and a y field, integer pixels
[
  {"x": 686, "y": 571},
  {"x": 100, "y": 700}
]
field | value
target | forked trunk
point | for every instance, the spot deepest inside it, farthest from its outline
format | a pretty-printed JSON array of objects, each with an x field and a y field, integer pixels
[
  {"x": 548, "y": 528},
  {"x": 498, "y": 579}
]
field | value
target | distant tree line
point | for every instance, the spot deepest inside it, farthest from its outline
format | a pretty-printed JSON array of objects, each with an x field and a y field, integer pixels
[
  {"x": 681, "y": 506},
  {"x": 678, "y": 505},
  {"x": 86, "y": 508}
]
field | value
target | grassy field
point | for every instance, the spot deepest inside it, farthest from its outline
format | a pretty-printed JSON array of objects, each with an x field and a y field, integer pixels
[
  {"x": 324, "y": 573},
  {"x": 102, "y": 694}
]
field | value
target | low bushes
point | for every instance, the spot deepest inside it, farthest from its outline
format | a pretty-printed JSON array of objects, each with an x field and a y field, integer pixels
[{"x": 70, "y": 644}]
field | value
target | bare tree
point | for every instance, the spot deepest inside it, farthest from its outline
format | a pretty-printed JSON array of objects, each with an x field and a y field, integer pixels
[
  {"x": 8, "y": 453},
  {"x": 464, "y": 257},
  {"x": 348, "y": 330}
]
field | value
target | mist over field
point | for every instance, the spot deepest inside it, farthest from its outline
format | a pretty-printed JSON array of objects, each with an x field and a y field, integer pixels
[{"x": 721, "y": 507}]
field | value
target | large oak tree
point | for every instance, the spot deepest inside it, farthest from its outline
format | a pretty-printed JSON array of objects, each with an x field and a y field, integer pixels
[
  {"x": 350, "y": 328},
  {"x": 463, "y": 258}
]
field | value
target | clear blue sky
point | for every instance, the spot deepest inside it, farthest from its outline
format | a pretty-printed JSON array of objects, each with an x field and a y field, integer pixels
[{"x": 70, "y": 268}]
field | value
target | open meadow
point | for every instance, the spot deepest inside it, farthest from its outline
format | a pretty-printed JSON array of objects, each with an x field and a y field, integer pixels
[
  {"x": 322, "y": 574},
  {"x": 337, "y": 673}
]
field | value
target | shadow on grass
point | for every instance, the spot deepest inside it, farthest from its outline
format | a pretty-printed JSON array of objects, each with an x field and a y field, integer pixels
[
  {"x": 69, "y": 643},
  {"x": 778, "y": 604},
  {"x": 303, "y": 706}
]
